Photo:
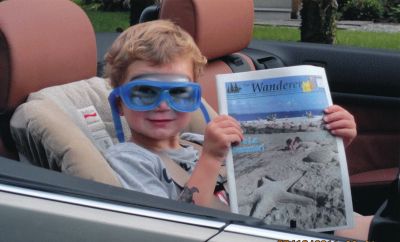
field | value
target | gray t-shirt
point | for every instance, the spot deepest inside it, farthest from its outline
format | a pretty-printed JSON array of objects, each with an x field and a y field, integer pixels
[{"x": 141, "y": 170}]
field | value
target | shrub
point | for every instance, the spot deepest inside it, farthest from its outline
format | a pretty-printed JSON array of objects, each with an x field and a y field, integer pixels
[
  {"x": 394, "y": 13},
  {"x": 341, "y": 4},
  {"x": 361, "y": 9},
  {"x": 106, "y": 5}
]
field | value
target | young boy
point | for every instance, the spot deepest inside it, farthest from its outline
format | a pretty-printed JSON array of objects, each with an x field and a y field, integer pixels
[{"x": 152, "y": 67}]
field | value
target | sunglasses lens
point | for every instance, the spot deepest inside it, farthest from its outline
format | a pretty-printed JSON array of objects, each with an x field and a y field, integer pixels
[
  {"x": 144, "y": 95},
  {"x": 184, "y": 98}
]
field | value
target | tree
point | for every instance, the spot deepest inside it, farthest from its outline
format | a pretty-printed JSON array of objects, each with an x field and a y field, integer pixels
[{"x": 318, "y": 21}]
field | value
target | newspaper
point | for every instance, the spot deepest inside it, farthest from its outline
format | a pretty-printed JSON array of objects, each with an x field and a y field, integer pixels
[{"x": 289, "y": 170}]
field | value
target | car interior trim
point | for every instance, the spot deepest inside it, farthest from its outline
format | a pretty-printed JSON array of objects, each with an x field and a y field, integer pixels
[
  {"x": 111, "y": 207},
  {"x": 278, "y": 235}
]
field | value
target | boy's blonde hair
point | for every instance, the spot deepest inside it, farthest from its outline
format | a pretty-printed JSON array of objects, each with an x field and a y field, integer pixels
[{"x": 157, "y": 42}]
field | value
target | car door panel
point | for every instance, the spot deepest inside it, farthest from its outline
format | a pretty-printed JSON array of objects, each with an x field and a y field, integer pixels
[
  {"x": 367, "y": 83},
  {"x": 25, "y": 218},
  {"x": 237, "y": 232},
  {"x": 349, "y": 69},
  {"x": 42, "y": 205}
]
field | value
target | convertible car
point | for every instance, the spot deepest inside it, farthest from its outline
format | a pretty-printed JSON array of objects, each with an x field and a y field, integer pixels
[{"x": 54, "y": 182}]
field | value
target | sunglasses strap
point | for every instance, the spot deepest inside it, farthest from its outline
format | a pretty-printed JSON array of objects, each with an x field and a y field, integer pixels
[
  {"x": 205, "y": 112},
  {"x": 112, "y": 99}
]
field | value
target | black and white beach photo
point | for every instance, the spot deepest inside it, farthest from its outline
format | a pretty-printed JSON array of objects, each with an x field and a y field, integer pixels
[{"x": 296, "y": 177}]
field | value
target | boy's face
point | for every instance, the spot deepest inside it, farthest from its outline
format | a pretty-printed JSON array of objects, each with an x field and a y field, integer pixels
[{"x": 162, "y": 123}]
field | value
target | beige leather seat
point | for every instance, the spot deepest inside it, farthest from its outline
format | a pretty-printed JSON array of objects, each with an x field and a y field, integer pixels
[
  {"x": 55, "y": 128},
  {"x": 58, "y": 70},
  {"x": 39, "y": 47},
  {"x": 42, "y": 47},
  {"x": 220, "y": 28}
]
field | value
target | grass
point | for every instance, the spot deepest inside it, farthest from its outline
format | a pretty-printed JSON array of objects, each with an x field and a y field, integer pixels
[
  {"x": 379, "y": 40},
  {"x": 110, "y": 21},
  {"x": 276, "y": 33},
  {"x": 105, "y": 21}
]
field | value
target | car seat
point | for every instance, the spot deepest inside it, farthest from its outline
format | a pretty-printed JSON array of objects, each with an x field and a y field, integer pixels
[
  {"x": 149, "y": 13},
  {"x": 46, "y": 43},
  {"x": 221, "y": 29},
  {"x": 39, "y": 47},
  {"x": 65, "y": 122},
  {"x": 45, "y": 127}
]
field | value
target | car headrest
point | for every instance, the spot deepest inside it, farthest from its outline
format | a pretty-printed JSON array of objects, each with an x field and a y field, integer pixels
[
  {"x": 149, "y": 13},
  {"x": 42, "y": 43},
  {"x": 219, "y": 27}
]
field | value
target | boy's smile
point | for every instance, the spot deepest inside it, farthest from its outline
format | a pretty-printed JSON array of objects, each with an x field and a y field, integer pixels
[
  {"x": 161, "y": 126},
  {"x": 162, "y": 116}
]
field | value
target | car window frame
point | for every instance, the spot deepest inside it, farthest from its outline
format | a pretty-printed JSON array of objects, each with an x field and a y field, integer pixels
[{"x": 27, "y": 180}]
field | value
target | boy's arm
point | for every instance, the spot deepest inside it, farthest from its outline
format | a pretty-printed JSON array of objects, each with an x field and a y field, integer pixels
[
  {"x": 340, "y": 123},
  {"x": 220, "y": 134}
]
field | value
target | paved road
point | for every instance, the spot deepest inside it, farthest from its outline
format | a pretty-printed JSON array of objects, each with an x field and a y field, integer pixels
[{"x": 352, "y": 25}]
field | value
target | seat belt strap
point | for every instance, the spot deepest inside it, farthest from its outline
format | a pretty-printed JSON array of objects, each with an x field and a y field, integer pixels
[
  {"x": 199, "y": 148},
  {"x": 181, "y": 176},
  {"x": 177, "y": 173}
]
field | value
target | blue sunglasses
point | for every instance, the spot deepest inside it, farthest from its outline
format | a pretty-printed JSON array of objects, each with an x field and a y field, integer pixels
[
  {"x": 145, "y": 95},
  {"x": 146, "y": 92}
]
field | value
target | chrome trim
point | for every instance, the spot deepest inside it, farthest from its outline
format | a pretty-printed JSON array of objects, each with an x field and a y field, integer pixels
[
  {"x": 111, "y": 207},
  {"x": 272, "y": 234}
]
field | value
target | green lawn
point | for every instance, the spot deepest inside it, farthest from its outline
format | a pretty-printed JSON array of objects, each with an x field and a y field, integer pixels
[
  {"x": 110, "y": 21},
  {"x": 378, "y": 40},
  {"x": 105, "y": 21}
]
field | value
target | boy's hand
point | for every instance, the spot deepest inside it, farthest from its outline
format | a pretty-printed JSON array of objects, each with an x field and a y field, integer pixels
[
  {"x": 220, "y": 134},
  {"x": 340, "y": 123}
]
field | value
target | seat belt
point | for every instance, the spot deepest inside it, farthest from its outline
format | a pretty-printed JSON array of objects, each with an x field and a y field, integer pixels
[
  {"x": 177, "y": 173},
  {"x": 181, "y": 177},
  {"x": 199, "y": 148}
]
